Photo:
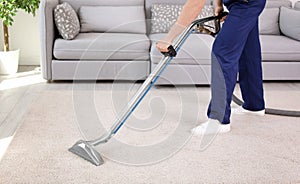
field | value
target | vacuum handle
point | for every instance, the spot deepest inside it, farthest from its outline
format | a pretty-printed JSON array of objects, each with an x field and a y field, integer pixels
[
  {"x": 218, "y": 23},
  {"x": 171, "y": 52},
  {"x": 221, "y": 15}
]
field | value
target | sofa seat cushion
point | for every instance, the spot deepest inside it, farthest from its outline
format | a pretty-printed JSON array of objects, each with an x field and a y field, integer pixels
[
  {"x": 195, "y": 50},
  {"x": 279, "y": 48},
  {"x": 103, "y": 46}
]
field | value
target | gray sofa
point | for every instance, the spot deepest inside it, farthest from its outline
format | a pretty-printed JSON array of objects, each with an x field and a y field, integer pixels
[{"x": 131, "y": 55}]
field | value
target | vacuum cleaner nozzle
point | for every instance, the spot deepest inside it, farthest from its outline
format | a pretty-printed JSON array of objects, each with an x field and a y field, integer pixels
[{"x": 85, "y": 150}]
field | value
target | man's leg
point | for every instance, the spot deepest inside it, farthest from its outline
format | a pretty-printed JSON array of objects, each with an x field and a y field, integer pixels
[
  {"x": 250, "y": 73},
  {"x": 226, "y": 53}
]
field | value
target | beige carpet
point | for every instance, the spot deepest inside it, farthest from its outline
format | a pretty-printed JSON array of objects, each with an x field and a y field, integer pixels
[{"x": 258, "y": 150}]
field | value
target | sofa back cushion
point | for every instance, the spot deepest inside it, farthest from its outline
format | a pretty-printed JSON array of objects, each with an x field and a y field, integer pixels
[
  {"x": 290, "y": 22},
  {"x": 76, "y": 4},
  {"x": 269, "y": 22},
  {"x": 278, "y": 3},
  {"x": 113, "y": 19},
  {"x": 269, "y": 18}
]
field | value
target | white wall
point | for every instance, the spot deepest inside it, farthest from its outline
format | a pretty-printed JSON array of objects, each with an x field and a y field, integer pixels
[{"x": 24, "y": 35}]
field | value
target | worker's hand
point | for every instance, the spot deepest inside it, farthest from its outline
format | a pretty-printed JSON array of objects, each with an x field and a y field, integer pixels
[
  {"x": 162, "y": 46},
  {"x": 219, "y": 9}
]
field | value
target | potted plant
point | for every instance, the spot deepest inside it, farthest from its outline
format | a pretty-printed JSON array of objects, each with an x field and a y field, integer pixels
[{"x": 8, "y": 8}]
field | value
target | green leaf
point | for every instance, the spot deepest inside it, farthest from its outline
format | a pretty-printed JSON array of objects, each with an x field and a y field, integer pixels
[{"x": 8, "y": 9}]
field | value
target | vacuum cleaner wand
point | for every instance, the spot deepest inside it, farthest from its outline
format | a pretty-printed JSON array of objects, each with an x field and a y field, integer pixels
[{"x": 85, "y": 149}]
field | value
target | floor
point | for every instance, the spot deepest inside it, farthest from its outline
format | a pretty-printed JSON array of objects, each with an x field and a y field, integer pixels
[
  {"x": 13, "y": 89},
  {"x": 28, "y": 83},
  {"x": 19, "y": 92}
]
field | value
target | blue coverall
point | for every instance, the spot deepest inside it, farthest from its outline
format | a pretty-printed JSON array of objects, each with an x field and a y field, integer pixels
[{"x": 237, "y": 49}]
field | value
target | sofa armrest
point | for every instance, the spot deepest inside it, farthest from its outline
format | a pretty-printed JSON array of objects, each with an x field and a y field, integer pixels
[{"x": 47, "y": 33}]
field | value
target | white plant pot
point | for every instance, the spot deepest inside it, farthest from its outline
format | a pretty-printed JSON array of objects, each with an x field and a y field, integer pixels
[{"x": 9, "y": 62}]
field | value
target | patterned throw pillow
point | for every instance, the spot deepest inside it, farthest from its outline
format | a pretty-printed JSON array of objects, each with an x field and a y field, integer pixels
[
  {"x": 66, "y": 21},
  {"x": 165, "y": 15}
]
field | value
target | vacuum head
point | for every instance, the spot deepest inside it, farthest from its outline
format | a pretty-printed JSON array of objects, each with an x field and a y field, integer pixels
[{"x": 85, "y": 150}]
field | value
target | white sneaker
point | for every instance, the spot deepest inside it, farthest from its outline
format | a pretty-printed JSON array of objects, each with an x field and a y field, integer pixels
[
  {"x": 211, "y": 126},
  {"x": 241, "y": 110}
]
